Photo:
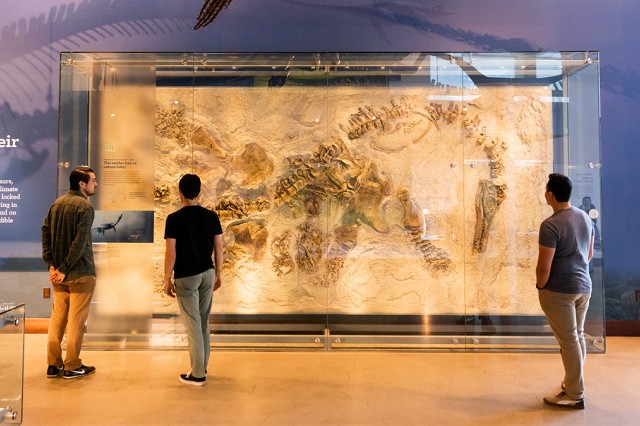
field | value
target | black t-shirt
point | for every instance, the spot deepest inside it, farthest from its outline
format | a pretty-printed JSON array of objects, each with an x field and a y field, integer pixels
[{"x": 193, "y": 228}]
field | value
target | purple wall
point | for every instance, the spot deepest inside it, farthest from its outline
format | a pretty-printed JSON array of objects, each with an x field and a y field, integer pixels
[{"x": 34, "y": 32}]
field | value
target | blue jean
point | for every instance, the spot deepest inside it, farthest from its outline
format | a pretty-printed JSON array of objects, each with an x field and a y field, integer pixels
[
  {"x": 566, "y": 314},
  {"x": 195, "y": 294}
]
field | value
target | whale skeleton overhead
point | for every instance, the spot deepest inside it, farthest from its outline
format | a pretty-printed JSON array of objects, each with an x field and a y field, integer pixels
[{"x": 210, "y": 10}]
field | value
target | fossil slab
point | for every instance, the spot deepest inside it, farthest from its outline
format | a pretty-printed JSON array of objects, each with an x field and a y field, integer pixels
[{"x": 364, "y": 200}]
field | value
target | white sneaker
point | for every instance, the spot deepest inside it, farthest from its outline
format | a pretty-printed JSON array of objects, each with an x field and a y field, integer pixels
[{"x": 563, "y": 400}]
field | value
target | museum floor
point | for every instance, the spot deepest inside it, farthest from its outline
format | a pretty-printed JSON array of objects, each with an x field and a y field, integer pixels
[{"x": 331, "y": 388}]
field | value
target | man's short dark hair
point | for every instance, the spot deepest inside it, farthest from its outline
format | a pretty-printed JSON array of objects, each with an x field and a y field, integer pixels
[
  {"x": 79, "y": 174},
  {"x": 189, "y": 185},
  {"x": 560, "y": 186}
]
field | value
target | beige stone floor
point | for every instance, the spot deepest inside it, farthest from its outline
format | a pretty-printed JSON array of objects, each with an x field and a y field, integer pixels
[{"x": 331, "y": 388}]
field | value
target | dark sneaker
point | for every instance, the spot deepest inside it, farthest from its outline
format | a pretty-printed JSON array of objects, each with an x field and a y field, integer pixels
[
  {"x": 53, "y": 371},
  {"x": 84, "y": 370},
  {"x": 564, "y": 401},
  {"x": 190, "y": 380}
]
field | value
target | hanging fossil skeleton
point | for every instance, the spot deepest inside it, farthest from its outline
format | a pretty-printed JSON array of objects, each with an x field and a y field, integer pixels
[{"x": 210, "y": 11}]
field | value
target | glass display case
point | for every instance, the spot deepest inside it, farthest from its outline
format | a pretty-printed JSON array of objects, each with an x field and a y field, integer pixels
[
  {"x": 11, "y": 362},
  {"x": 368, "y": 200}
]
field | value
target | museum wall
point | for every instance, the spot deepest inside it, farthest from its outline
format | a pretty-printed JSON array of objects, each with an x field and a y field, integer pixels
[{"x": 34, "y": 33}]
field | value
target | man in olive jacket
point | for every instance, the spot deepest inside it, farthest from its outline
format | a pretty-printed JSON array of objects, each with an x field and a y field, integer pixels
[{"x": 68, "y": 253}]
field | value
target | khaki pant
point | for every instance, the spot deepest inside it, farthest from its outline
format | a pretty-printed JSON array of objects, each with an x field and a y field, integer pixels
[
  {"x": 71, "y": 302},
  {"x": 566, "y": 314}
]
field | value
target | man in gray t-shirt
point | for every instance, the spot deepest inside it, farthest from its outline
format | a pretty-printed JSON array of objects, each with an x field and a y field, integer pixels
[{"x": 562, "y": 276}]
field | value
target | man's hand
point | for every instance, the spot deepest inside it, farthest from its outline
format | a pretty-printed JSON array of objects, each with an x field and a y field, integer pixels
[
  {"x": 55, "y": 276},
  {"x": 169, "y": 288}
]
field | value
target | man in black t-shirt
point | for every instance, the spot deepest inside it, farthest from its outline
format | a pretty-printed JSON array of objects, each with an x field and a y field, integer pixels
[{"x": 194, "y": 246}]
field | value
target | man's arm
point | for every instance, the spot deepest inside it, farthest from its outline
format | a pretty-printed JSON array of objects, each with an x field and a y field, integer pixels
[
  {"x": 169, "y": 263},
  {"x": 47, "y": 253},
  {"x": 79, "y": 243},
  {"x": 543, "y": 268},
  {"x": 218, "y": 247},
  {"x": 591, "y": 245}
]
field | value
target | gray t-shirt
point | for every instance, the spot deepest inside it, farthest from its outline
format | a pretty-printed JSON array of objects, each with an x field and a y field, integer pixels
[{"x": 569, "y": 231}]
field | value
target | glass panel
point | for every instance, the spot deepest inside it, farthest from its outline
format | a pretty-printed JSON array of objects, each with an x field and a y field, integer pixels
[
  {"x": 531, "y": 110},
  {"x": 400, "y": 274},
  {"x": 453, "y": 123},
  {"x": 252, "y": 131},
  {"x": 75, "y": 80},
  {"x": 368, "y": 200},
  {"x": 117, "y": 136},
  {"x": 582, "y": 101},
  {"x": 11, "y": 363},
  {"x": 174, "y": 85},
  {"x": 507, "y": 158}
]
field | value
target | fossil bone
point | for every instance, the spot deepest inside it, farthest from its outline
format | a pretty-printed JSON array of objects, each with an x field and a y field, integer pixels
[
  {"x": 161, "y": 193},
  {"x": 330, "y": 171},
  {"x": 493, "y": 148},
  {"x": 283, "y": 263},
  {"x": 201, "y": 137},
  {"x": 367, "y": 119},
  {"x": 254, "y": 164},
  {"x": 250, "y": 238},
  {"x": 309, "y": 247},
  {"x": 170, "y": 123},
  {"x": 436, "y": 259},
  {"x": 345, "y": 239},
  {"x": 490, "y": 196}
]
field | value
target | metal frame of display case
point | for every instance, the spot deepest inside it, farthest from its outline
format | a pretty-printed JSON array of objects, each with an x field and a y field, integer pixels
[{"x": 12, "y": 362}]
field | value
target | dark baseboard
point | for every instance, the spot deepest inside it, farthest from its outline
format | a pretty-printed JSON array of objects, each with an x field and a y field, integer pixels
[{"x": 623, "y": 328}]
